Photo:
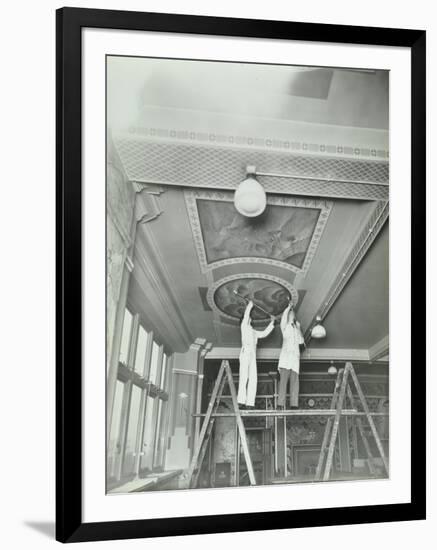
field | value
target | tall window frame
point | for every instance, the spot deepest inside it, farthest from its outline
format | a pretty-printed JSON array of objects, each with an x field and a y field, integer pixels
[{"x": 143, "y": 367}]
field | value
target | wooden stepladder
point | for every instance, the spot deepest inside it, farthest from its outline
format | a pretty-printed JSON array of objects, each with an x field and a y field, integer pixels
[
  {"x": 341, "y": 391},
  {"x": 224, "y": 374}
]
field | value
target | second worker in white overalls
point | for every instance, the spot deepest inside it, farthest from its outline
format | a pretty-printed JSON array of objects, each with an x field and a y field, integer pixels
[{"x": 289, "y": 358}]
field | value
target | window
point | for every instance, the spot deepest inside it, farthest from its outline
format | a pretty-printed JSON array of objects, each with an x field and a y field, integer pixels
[
  {"x": 163, "y": 371},
  {"x": 125, "y": 337},
  {"x": 154, "y": 363},
  {"x": 131, "y": 436},
  {"x": 159, "y": 443},
  {"x": 114, "y": 447},
  {"x": 140, "y": 356},
  {"x": 149, "y": 433},
  {"x": 139, "y": 415}
]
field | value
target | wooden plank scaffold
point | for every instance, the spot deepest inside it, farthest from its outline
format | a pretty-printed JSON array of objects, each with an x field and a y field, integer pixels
[{"x": 338, "y": 409}]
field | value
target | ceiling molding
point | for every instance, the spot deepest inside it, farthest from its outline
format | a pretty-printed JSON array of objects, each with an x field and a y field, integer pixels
[
  {"x": 270, "y": 143},
  {"x": 380, "y": 349},
  {"x": 203, "y": 166},
  {"x": 147, "y": 204},
  {"x": 191, "y": 197},
  {"x": 371, "y": 229}
]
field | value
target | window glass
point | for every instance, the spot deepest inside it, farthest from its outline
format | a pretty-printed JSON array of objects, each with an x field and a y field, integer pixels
[
  {"x": 131, "y": 437},
  {"x": 140, "y": 355},
  {"x": 163, "y": 371},
  {"x": 159, "y": 439},
  {"x": 114, "y": 435},
  {"x": 149, "y": 433},
  {"x": 154, "y": 363},
  {"x": 125, "y": 337}
]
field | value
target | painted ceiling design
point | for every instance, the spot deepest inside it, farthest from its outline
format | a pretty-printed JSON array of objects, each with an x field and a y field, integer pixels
[
  {"x": 271, "y": 293},
  {"x": 286, "y": 234}
]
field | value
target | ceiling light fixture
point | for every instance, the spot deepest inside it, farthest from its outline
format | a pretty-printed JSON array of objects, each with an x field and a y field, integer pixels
[
  {"x": 318, "y": 330},
  {"x": 332, "y": 369},
  {"x": 250, "y": 198}
]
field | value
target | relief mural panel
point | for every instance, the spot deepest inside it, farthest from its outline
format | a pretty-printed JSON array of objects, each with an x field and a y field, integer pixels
[
  {"x": 269, "y": 293},
  {"x": 286, "y": 235},
  {"x": 281, "y": 233}
]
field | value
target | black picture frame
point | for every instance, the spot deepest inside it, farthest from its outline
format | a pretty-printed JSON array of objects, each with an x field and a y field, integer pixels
[{"x": 69, "y": 524}]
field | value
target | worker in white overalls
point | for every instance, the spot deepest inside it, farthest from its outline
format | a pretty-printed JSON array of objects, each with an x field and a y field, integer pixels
[
  {"x": 248, "y": 373},
  {"x": 289, "y": 358}
]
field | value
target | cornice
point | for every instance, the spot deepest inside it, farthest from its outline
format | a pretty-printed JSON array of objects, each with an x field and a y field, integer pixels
[{"x": 198, "y": 165}]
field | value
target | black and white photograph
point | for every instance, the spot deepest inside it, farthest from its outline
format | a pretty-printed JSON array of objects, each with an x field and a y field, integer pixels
[
  {"x": 217, "y": 275},
  {"x": 247, "y": 274}
]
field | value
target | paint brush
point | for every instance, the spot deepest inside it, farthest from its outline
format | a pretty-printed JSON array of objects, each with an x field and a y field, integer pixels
[{"x": 254, "y": 304}]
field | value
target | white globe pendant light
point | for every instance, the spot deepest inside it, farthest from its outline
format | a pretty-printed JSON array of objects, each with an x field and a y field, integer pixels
[
  {"x": 332, "y": 369},
  {"x": 250, "y": 198},
  {"x": 318, "y": 330}
]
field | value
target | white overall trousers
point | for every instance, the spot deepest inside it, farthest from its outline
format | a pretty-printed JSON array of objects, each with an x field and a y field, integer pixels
[
  {"x": 248, "y": 374},
  {"x": 289, "y": 359}
]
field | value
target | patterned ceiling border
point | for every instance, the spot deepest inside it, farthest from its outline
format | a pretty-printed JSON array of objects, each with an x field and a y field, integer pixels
[
  {"x": 369, "y": 233},
  {"x": 206, "y": 166},
  {"x": 212, "y": 289},
  {"x": 191, "y": 197},
  {"x": 267, "y": 143}
]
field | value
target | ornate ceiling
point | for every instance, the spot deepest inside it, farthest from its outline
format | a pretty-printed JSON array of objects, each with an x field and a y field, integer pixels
[{"x": 317, "y": 228}]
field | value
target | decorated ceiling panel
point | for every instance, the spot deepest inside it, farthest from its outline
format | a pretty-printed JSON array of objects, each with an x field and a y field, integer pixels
[
  {"x": 272, "y": 294},
  {"x": 285, "y": 235}
]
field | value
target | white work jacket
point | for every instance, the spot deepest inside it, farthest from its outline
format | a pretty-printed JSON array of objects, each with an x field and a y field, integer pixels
[{"x": 289, "y": 357}]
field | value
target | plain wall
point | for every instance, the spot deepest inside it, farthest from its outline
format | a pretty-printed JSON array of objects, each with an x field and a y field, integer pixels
[{"x": 27, "y": 207}]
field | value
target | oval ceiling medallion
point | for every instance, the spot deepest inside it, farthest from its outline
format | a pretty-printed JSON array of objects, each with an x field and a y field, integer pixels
[{"x": 270, "y": 293}]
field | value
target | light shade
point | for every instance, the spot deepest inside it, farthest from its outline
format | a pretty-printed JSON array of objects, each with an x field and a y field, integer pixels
[
  {"x": 332, "y": 370},
  {"x": 318, "y": 331},
  {"x": 250, "y": 198}
]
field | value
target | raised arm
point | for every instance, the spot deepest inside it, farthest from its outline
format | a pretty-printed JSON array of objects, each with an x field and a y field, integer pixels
[
  {"x": 284, "y": 317},
  {"x": 267, "y": 330},
  {"x": 301, "y": 338},
  {"x": 246, "y": 317}
]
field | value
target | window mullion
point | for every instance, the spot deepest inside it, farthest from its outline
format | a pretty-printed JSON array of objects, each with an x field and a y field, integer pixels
[
  {"x": 128, "y": 391},
  {"x": 140, "y": 431}
]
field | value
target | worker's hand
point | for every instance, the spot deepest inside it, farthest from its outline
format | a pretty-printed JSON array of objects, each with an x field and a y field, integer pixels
[{"x": 272, "y": 318}]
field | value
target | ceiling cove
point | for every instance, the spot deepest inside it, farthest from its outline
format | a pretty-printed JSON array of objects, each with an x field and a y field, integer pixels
[{"x": 223, "y": 167}]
